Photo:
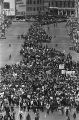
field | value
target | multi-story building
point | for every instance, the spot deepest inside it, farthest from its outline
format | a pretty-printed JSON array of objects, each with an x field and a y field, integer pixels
[
  {"x": 20, "y": 7},
  {"x": 34, "y": 7},
  {"x": 1, "y": 6},
  {"x": 56, "y": 7},
  {"x": 1, "y": 11},
  {"x": 61, "y": 7},
  {"x": 9, "y": 7}
]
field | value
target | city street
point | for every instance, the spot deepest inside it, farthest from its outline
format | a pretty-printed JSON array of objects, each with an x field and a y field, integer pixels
[
  {"x": 39, "y": 60},
  {"x": 11, "y": 38},
  {"x": 59, "y": 37},
  {"x": 60, "y": 41},
  {"x": 43, "y": 116}
]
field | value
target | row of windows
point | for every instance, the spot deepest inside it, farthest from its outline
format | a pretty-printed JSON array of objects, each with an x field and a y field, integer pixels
[
  {"x": 35, "y": 8},
  {"x": 18, "y": 0},
  {"x": 34, "y": 1},
  {"x": 62, "y": 3},
  {"x": 20, "y": 13}
]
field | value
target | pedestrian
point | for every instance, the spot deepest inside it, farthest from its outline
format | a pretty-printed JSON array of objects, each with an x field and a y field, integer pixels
[
  {"x": 74, "y": 115},
  {"x": 67, "y": 112},
  {"x": 20, "y": 115},
  {"x": 68, "y": 118},
  {"x": 54, "y": 25},
  {"x": 9, "y": 56},
  {"x": 28, "y": 117},
  {"x": 9, "y": 45}
]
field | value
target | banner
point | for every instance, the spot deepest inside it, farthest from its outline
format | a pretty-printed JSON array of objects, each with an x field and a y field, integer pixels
[
  {"x": 61, "y": 66},
  {"x": 71, "y": 73}
]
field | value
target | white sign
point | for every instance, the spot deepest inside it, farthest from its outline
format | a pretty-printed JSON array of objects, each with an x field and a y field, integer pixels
[
  {"x": 71, "y": 73},
  {"x": 61, "y": 66},
  {"x": 63, "y": 71}
]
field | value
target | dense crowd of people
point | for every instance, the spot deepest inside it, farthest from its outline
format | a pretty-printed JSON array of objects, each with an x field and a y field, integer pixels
[{"x": 37, "y": 82}]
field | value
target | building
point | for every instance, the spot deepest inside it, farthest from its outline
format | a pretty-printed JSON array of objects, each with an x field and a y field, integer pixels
[
  {"x": 1, "y": 6},
  {"x": 34, "y": 7},
  {"x": 1, "y": 11},
  {"x": 56, "y": 7},
  {"x": 9, "y": 7},
  {"x": 60, "y": 7},
  {"x": 20, "y": 7}
]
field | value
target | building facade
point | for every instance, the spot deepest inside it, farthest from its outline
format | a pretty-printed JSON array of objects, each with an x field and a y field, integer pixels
[
  {"x": 1, "y": 6},
  {"x": 20, "y": 7},
  {"x": 34, "y": 7},
  {"x": 1, "y": 11},
  {"x": 61, "y": 7},
  {"x": 9, "y": 7},
  {"x": 56, "y": 7}
]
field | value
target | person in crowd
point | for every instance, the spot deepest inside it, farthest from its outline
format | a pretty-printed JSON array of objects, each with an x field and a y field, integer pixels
[
  {"x": 28, "y": 117},
  {"x": 37, "y": 83},
  {"x": 9, "y": 56},
  {"x": 74, "y": 115}
]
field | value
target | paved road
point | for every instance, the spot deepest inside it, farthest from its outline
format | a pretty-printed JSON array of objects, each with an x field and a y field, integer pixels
[
  {"x": 43, "y": 116},
  {"x": 62, "y": 40},
  {"x": 11, "y": 38}
]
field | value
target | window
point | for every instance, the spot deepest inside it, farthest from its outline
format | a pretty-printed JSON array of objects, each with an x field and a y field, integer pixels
[
  {"x": 56, "y": 4},
  {"x": 18, "y": 0},
  {"x": 37, "y": 8},
  {"x": 30, "y": 8},
  {"x": 60, "y": 3},
  {"x": 73, "y": 3},
  {"x": 40, "y": 1},
  {"x": 34, "y": 9},
  {"x": 52, "y": 4},
  {"x": 6, "y": 5},
  {"x": 66, "y": 3},
  {"x": 27, "y": 1},
  {"x": 30, "y": 1},
  {"x": 37, "y": 1},
  {"x": 40, "y": 8},
  {"x": 34, "y": 2}
]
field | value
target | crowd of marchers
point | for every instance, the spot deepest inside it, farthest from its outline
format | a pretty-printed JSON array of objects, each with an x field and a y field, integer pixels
[{"x": 37, "y": 83}]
